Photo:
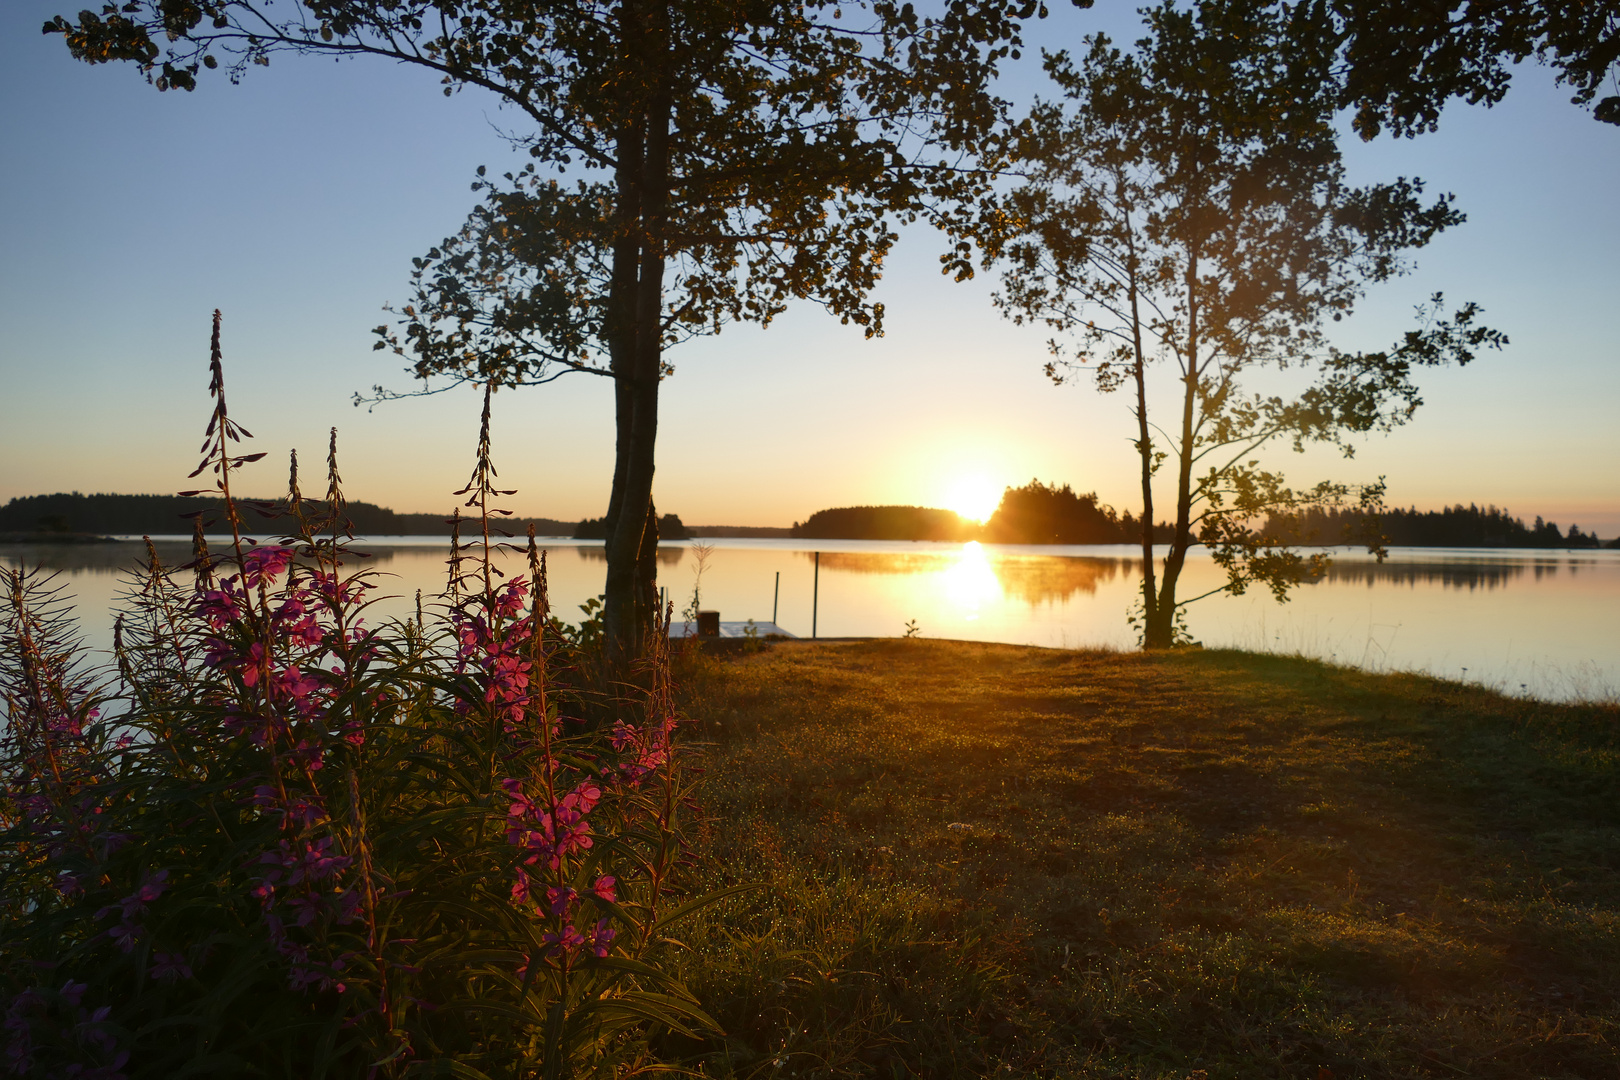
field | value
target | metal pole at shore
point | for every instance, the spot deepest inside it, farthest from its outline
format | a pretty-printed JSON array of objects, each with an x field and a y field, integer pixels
[
  {"x": 776, "y": 595},
  {"x": 815, "y": 597}
]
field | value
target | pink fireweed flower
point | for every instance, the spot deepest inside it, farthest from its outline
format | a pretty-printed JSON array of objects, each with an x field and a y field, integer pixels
[
  {"x": 561, "y": 899},
  {"x": 250, "y": 663},
  {"x": 305, "y": 909},
  {"x": 221, "y": 607},
  {"x": 335, "y": 591},
  {"x": 582, "y": 800},
  {"x": 126, "y": 936},
  {"x": 602, "y": 938},
  {"x": 166, "y": 967},
  {"x": 296, "y": 684},
  {"x": 522, "y": 805},
  {"x": 567, "y": 941},
  {"x": 151, "y": 887},
  {"x": 265, "y": 562},
  {"x": 606, "y": 888}
]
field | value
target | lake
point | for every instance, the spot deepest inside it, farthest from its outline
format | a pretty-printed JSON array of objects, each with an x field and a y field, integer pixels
[{"x": 1537, "y": 622}]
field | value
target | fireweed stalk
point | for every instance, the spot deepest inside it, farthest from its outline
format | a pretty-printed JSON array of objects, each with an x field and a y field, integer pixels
[{"x": 275, "y": 839}]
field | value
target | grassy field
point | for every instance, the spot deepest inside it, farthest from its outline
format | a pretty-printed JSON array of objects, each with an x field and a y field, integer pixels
[{"x": 984, "y": 860}]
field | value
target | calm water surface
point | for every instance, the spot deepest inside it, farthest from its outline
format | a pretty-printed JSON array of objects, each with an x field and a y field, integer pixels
[{"x": 1541, "y": 622}]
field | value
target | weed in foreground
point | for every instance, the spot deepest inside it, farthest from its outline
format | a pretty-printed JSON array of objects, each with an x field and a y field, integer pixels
[{"x": 279, "y": 841}]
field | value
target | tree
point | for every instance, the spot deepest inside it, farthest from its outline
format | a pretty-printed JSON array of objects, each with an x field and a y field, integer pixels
[
  {"x": 1187, "y": 205},
  {"x": 732, "y": 156},
  {"x": 1402, "y": 61},
  {"x": 1040, "y": 514}
]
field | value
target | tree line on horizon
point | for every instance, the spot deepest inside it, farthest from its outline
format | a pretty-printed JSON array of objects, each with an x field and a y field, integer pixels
[
  {"x": 1453, "y": 526},
  {"x": 1035, "y": 513},
  {"x": 1038, "y": 513},
  {"x": 74, "y": 513},
  {"x": 64, "y": 513}
]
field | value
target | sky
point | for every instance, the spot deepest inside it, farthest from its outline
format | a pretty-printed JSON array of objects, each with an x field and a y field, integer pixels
[{"x": 295, "y": 201}]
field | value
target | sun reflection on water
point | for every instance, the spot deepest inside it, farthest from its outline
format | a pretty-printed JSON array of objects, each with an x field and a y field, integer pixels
[{"x": 971, "y": 583}]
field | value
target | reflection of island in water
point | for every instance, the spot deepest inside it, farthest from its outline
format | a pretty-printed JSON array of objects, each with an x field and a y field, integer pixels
[
  {"x": 125, "y": 556},
  {"x": 1035, "y": 579},
  {"x": 668, "y": 554},
  {"x": 1462, "y": 574}
]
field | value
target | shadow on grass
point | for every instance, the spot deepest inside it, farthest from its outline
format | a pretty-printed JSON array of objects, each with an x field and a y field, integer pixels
[{"x": 986, "y": 859}]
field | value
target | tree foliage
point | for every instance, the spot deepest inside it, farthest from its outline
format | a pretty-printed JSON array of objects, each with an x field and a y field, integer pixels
[
  {"x": 1453, "y": 526},
  {"x": 726, "y": 158},
  {"x": 1402, "y": 61},
  {"x": 1038, "y": 513},
  {"x": 1186, "y": 204},
  {"x": 885, "y": 523}
]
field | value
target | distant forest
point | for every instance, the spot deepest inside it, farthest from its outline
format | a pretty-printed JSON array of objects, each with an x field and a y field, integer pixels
[
  {"x": 136, "y": 515},
  {"x": 74, "y": 514},
  {"x": 1033, "y": 514},
  {"x": 1039, "y": 513},
  {"x": 885, "y": 523},
  {"x": 669, "y": 528},
  {"x": 1455, "y": 526}
]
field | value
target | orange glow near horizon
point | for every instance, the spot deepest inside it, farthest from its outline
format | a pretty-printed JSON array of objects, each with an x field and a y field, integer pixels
[{"x": 974, "y": 496}]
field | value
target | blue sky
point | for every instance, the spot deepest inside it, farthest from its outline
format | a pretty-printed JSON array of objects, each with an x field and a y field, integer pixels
[{"x": 295, "y": 201}]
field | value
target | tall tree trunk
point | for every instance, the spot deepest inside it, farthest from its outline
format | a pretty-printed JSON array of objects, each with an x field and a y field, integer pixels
[
  {"x": 1144, "y": 444},
  {"x": 1161, "y": 630},
  {"x": 632, "y": 530}
]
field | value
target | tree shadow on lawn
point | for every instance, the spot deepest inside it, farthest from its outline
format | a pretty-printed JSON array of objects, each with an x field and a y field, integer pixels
[{"x": 1146, "y": 865}]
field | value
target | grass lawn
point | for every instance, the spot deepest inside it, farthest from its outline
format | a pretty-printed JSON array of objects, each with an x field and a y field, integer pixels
[{"x": 985, "y": 860}]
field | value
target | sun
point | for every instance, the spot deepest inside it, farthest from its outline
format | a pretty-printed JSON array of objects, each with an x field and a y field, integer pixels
[{"x": 974, "y": 496}]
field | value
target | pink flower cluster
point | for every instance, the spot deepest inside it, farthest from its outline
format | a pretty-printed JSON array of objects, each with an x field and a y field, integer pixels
[
  {"x": 550, "y": 832},
  {"x": 276, "y": 643},
  {"x": 491, "y": 641},
  {"x": 646, "y": 748}
]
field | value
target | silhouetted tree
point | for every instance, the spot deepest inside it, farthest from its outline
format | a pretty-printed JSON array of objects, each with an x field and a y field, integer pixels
[
  {"x": 733, "y": 157},
  {"x": 160, "y": 514},
  {"x": 885, "y": 523},
  {"x": 1453, "y": 526},
  {"x": 1038, "y": 514},
  {"x": 1402, "y": 61},
  {"x": 1188, "y": 204}
]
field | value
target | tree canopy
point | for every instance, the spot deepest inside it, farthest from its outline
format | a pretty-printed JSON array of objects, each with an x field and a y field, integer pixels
[
  {"x": 1186, "y": 204},
  {"x": 1402, "y": 61},
  {"x": 725, "y": 158},
  {"x": 1038, "y": 513}
]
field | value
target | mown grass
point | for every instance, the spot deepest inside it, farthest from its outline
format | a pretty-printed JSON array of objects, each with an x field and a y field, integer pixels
[{"x": 988, "y": 860}]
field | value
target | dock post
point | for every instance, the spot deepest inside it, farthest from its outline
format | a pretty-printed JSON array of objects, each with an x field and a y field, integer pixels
[
  {"x": 815, "y": 597},
  {"x": 776, "y": 595}
]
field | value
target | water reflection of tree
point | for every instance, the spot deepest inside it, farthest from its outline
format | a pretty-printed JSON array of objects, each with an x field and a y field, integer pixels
[
  {"x": 1459, "y": 575},
  {"x": 95, "y": 559},
  {"x": 667, "y": 555},
  {"x": 123, "y": 556},
  {"x": 1034, "y": 579}
]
